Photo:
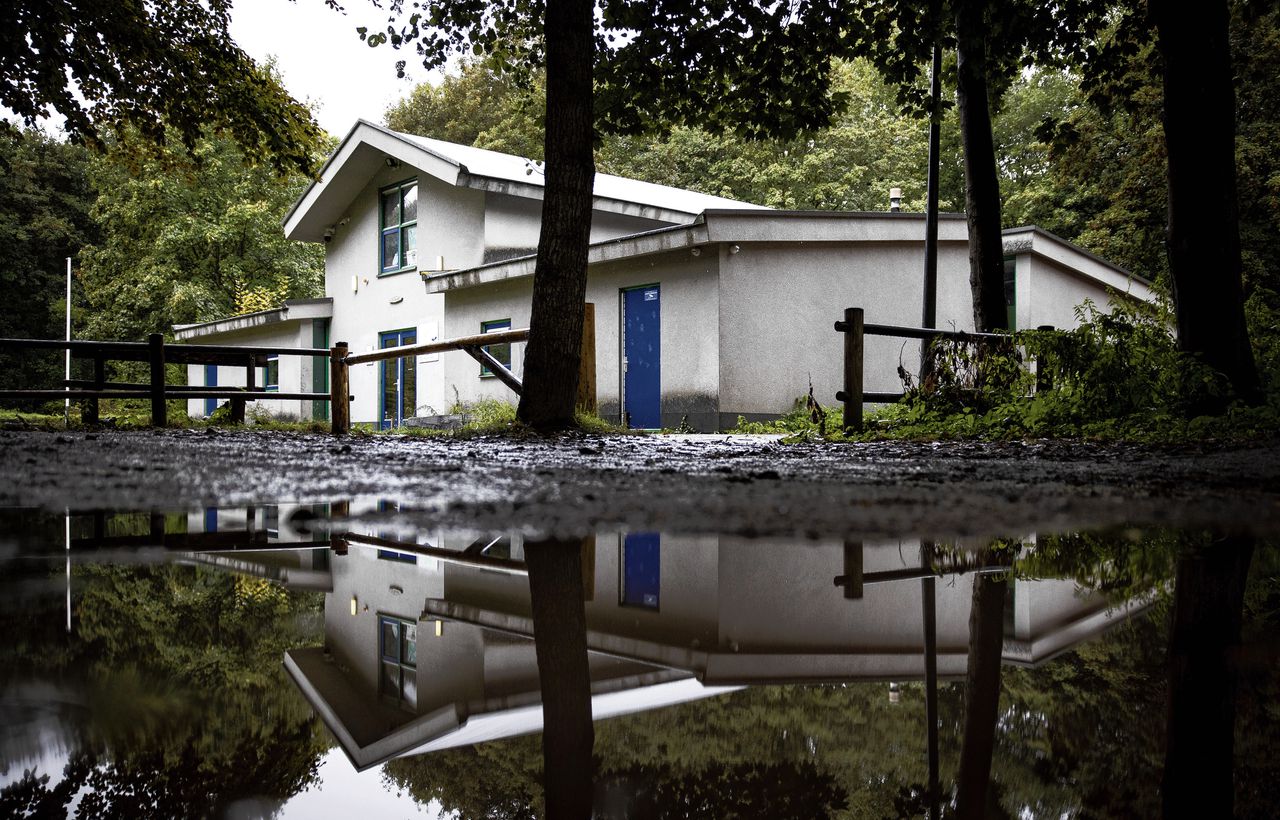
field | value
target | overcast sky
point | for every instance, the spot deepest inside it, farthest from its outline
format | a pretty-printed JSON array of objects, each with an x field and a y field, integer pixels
[{"x": 322, "y": 58}]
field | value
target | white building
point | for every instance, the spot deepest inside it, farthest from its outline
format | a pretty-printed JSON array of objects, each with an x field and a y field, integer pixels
[
  {"x": 433, "y": 649},
  {"x": 706, "y": 308}
]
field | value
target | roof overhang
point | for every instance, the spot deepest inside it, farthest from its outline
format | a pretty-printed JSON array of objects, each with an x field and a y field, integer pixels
[
  {"x": 291, "y": 311},
  {"x": 367, "y": 147},
  {"x": 726, "y": 226},
  {"x": 1038, "y": 242},
  {"x": 363, "y": 151}
]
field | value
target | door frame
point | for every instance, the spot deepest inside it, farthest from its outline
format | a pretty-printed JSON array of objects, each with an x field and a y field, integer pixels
[
  {"x": 397, "y": 419},
  {"x": 622, "y": 351}
]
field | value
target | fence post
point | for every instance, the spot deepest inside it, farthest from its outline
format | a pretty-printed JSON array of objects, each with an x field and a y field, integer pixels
[
  {"x": 1044, "y": 378},
  {"x": 159, "y": 410},
  {"x": 586, "y": 401},
  {"x": 339, "y": 390},
  {"x": 238, "y": 405},
  {"x": 90, "y": 415},
  {"x": 852, "y": 369}
]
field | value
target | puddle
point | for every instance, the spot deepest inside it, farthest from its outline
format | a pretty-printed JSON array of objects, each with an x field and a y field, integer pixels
[{"x": 309, "y": 660}]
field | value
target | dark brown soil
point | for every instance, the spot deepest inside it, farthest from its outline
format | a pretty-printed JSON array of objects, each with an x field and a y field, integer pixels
[{"x": 737, "y": 484}]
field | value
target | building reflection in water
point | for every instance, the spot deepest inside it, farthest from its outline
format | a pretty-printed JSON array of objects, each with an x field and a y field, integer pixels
[{"x": 429, "y": 643}]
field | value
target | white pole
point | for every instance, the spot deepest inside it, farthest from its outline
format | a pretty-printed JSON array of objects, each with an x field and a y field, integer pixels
[
  {"x": 67, "y": 516},
  {"x": 66, "y": 406}
]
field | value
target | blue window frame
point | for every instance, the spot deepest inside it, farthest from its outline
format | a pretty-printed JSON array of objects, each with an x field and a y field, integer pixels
[
  {"x": 398, "y": 209},
  {"x": 271, "y": 378},
  {"x": 501, "y": 352},
  {"x": 397, "y": 380}
]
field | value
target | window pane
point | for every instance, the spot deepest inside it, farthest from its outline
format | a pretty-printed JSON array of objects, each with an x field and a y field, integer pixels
[
  {"x": 390, "y": 371},
  {"x": 390, "y": 209},
  {"x": 390, "y": 679},
  {"x": 410, "y": 644},
  {"x": 410, "y": 688},
  {"x": 410, "y": 235},
  {"x": 409, "y": 396},
  {"x": 501, "y": 351},
  {"x": 273, "y": 373},
  {"x": 391, "y": 249},
  {"x": 410, "y": 211},
  {"x": 391, "y": 640}
]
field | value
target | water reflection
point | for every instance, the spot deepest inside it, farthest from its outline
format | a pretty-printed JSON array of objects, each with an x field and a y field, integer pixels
[{"x": 1023, "y": 678}]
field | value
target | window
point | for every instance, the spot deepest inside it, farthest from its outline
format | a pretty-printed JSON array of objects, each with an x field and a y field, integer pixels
[
  {"x": 399, "y": 208},
  {"x": 1011, "y": 291},
  {"x": 398, "y": 648},
  {"x": 271, "y": 379},
  {"x": 501, "y": 352}
]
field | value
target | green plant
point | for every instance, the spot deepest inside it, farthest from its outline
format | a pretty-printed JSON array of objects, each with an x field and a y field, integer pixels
[{"x": 1118, "y": 375}]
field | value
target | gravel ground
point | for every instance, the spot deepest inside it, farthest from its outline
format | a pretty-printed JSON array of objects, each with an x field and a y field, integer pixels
[{"x": 750, "y": 485}]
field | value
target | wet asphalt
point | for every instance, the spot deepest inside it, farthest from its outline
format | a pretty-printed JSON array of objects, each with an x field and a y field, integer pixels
[{"x": 745, "y": 485}]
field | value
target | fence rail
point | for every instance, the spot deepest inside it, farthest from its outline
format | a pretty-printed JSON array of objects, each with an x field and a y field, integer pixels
[
  {"x": 157, "y": 354},
  {"x": 855, "y": 330}
]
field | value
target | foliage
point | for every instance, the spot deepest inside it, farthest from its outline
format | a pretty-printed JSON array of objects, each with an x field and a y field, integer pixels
[
  {"x": 1117, "y": 375},
  {"x": 190, "y": 236},
  {"x": 186, "y": 706},
  {"x": 165, "y": 69},
  {"x": 45, "y": 199},
  {"x": 478, "y": 105}
]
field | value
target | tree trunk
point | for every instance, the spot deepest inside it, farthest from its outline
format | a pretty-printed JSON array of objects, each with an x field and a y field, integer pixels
[
  {"x": 981, "y": 695},
  {"x": 981, "y": 184},
  {"x": 560, "y": 275},
  {"x": 1207, "y": 609},
  {"x": 1204, "y": 225},
  {"x": 560, "y": 636}
]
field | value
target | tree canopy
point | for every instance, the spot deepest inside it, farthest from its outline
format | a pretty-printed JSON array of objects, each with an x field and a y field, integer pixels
[
  {"x": 163, "y": 68},
  {"x": 189, "y": 236}
]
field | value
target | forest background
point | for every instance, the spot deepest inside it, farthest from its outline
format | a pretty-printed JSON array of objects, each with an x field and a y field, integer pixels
[{"x": 193, "y": 234}]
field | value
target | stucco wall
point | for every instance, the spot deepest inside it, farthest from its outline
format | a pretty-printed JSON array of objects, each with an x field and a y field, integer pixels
[
  {"x": 450, "y": 224},
  {"x": 353, "y": 639},
  {"x": 295, "y": 371},
  {"x": 778, "y": 305},
  {"x": 1047, "y": 293},
  {"x": 689, "y": 353}
]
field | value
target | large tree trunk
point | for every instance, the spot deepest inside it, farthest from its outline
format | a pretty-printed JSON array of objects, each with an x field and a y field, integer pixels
[
  {"x": 981, "y": 695},
  {"x": 560, "y": 636},
  {"x": 1204, "y": 229},
  {"x": 981, "y": 184},
  {"x": 1207, "y": 608},
  {"x": 560, "y": 276}
]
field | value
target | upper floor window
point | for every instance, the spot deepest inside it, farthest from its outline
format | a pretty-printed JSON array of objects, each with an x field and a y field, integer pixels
[{"x": 399, "y": 208}]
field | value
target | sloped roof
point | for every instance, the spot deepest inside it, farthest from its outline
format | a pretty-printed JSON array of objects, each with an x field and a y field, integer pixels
[{"x": 368, "y": 146}]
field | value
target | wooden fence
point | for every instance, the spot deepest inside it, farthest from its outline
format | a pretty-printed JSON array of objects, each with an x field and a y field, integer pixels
[
  {"x": 157, "y": 354},
  {"x": 475, "y": 346},
  {"x": 855, "y": 329}
]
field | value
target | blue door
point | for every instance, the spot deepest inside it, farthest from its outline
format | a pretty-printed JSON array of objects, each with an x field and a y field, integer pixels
[
  {"x": 210, "y": 380},
  {"x": 399, "y": 383},
  {"x": 641, "y": 356},
  {"x": 641, "y": 570}
]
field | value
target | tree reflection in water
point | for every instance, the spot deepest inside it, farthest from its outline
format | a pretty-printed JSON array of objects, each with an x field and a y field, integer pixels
[{"x": 556, "y": 594}]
